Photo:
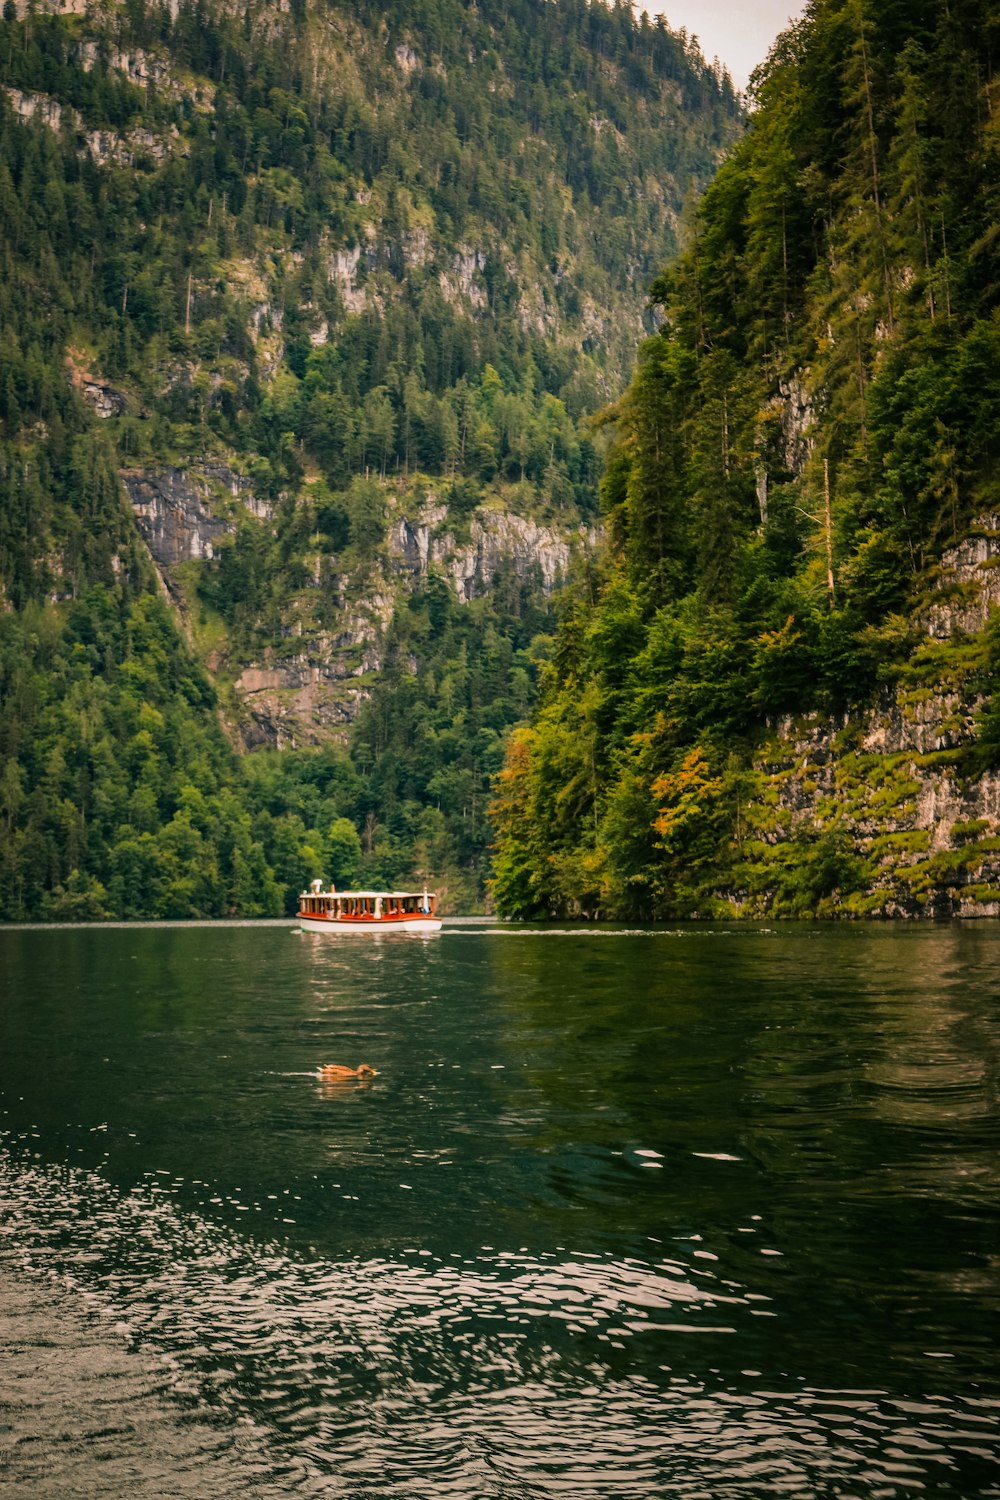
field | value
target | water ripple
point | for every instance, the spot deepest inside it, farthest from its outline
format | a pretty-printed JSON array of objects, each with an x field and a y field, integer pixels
[
  {"x": 617, "y": 1219},
  {"x": 495, "y": 1376}
]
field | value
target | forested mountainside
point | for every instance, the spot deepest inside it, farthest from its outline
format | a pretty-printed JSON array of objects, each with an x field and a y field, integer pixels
[
  {"x": 775, "y": 693},
  {"x": 302, "y": 313}
]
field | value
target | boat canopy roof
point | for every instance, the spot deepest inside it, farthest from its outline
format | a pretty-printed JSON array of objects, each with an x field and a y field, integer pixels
[{"x": 395, "y": 895}]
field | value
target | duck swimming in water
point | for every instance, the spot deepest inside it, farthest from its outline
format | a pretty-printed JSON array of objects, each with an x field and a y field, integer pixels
[{"x": 331, "y": 1071}]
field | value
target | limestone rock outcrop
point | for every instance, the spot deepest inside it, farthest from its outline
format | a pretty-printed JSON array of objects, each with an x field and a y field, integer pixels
[
  {"x": 892, "y": 788},
  {"x": 174, "y": 515},
  {"x": 308, "y": 687}
]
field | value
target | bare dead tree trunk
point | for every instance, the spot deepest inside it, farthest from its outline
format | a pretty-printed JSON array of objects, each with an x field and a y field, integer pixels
[{"x": 828, "y": 526}]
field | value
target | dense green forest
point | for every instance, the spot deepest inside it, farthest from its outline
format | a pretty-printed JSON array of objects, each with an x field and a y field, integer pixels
[
  {"x": 356, "y": 259},
  {"x": 811, "y": 429}
]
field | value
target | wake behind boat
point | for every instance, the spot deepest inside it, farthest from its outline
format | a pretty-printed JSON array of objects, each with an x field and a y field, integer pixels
[{"x": 367, "y": 911}]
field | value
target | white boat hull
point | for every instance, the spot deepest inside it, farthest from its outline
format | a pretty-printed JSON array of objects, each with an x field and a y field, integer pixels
[{"x": 369, "y": 926}]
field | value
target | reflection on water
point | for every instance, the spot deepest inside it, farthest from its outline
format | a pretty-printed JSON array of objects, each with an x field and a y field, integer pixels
[
  {"x": 470, "y": 1376},
  {"x": 704, "y": 1212}
]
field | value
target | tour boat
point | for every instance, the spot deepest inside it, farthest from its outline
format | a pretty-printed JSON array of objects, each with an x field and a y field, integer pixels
[{"x": 367, "y": 911}]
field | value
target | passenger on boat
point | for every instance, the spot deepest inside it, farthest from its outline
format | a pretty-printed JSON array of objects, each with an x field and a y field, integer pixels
[{"x": 335, "y": 1070}]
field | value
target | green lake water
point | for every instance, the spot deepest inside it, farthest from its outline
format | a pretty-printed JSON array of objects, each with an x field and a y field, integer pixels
[{"x": 700, "y": 1212}]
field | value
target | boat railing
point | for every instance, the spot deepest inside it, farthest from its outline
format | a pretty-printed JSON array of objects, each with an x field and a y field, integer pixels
[{"x": 373, "y": 906}]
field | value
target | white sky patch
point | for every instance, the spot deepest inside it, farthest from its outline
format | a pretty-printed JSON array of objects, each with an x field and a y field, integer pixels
[{"x": 738, "y": 32}]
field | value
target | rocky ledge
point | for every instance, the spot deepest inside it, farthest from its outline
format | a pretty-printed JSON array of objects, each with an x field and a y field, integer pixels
[
  {"x": 496, "y": 539},
  {"x": 887, "y": 806}
]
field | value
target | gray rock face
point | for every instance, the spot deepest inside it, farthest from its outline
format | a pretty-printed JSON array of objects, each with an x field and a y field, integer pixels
[
  {"x": 106, "y": 401},
  {"x": 306, "y": 698},
  {"x": 797, "y": 422},
  {"x": 103, "y": 145},
  {"x": 311, "y": 687},
  {"x": 970, "y": 580},
  {"x": 534, "y": 552},
  {"x": 30, "y": 105},
  {"x": 300, "y": 701},
  {"x": 315, "y": 694},
  {"x": 171, "y": 511},
  {"x": 497, "y": 539},
  {"x": 892, "y": 781}
]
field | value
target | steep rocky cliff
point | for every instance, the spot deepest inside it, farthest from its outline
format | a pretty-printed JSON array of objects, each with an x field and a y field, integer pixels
[
  {"x": 173, "y": 511},
  {"x": 307, "y": 688},
  {"x": 781, "y": 696},
  {"x": 897, "y": 824}
]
